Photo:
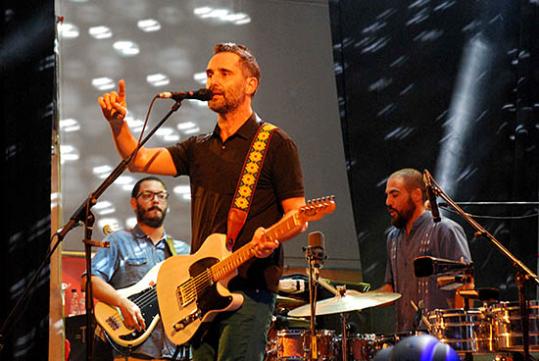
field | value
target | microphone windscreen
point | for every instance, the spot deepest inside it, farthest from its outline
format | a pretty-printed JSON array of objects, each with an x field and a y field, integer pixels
[
  {"x": 316, "y": 239},
  {"x": 203, "y": 94}
]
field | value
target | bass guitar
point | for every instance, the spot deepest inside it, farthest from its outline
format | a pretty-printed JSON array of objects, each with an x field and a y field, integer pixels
[
  {"x": 144, "y": 295},
  {"x": 192, "y": 290}
]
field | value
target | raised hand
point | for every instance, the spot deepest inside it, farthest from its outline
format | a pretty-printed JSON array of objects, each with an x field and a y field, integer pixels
[{"x": 113, "y": 104}]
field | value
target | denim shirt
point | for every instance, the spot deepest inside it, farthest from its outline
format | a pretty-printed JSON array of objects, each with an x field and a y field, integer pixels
[
  {"x": 130, "y": 256},
  {"x": 445, "y": 239}
]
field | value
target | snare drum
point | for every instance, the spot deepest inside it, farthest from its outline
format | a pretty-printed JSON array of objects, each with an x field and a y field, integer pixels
[
  {"x": 508, "y": 328},
  {"x": 295, "y": 345},
  {"x": 464, "y": 331}
]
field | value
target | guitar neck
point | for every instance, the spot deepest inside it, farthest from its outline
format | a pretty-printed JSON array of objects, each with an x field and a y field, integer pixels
[{"x": 289, "y": 223}]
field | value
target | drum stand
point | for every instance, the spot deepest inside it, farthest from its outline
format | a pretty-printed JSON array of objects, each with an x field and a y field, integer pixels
[
  {"x": 344, "y": 340},
  {"x": 339, "y": 291},
  {"x": 523, "y": 273}
]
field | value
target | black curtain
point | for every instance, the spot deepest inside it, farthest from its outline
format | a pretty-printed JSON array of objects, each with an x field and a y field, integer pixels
[
  {"x": 451, "y": 87},
  {"x": 28, "y": 109}
]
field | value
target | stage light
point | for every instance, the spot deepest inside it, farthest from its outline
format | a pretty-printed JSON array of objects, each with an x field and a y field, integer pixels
[{"x": 418, "y": 348}]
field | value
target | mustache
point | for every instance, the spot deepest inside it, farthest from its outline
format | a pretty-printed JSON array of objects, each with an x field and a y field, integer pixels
[
  {"x": 216, "y": 90},
  {"x": 154, "y": 208}
]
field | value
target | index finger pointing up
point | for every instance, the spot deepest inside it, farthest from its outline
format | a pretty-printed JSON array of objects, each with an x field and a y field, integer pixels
[{"x": 121, "y": 89}]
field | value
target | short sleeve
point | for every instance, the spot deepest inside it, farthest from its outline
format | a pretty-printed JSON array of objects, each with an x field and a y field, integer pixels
[
  {"x": 180, "y": 156},
  {"x": 453, "y": 242},
  {"x": 105, "y": 261},
  {"x": 286, "y": 168}
]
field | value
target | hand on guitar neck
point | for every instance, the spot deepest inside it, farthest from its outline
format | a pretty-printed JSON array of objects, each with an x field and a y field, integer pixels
[{"x": 263, "y": 246}]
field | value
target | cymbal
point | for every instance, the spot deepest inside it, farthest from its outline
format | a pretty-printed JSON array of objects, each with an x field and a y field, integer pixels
[
  {"x": 286, "y": 302},
  {"x": 351, "y": 301}
]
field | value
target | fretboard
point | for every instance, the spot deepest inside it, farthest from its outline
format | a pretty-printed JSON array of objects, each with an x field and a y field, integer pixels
[{"x": 287, "y": 224}]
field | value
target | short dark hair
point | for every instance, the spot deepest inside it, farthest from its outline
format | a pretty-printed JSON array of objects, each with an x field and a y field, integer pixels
[
  {"x": 136, "y": 187},
  {"x": 247, "y": 59},
  {"x": 412, "y": 179}
]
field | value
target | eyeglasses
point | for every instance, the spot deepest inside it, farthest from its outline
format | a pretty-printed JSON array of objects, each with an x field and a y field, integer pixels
[{"x": 149, "y": 195}]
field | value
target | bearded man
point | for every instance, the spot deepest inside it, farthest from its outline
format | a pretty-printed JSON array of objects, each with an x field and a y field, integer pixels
[
  {"x": 414, "y": 234},
  {"x": 132, "y": 253},
  {"x": 214, "y": 164}
]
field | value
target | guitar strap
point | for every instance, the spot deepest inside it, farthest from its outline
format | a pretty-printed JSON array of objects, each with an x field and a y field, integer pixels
[
  {"x": 245, "y": 189},
  {"x": 170, "y": 245}
]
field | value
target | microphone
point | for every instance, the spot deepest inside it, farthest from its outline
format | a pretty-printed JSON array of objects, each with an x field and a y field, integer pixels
[
  {"x": 316, "y": 248},
  {"x": 425, "y": 266},
  {"x": 200, "y": 94},
  {"x": 427, "y": 179}
]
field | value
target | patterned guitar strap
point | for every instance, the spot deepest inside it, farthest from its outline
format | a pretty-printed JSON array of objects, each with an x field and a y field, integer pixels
[{"x": 245, "y": 189}]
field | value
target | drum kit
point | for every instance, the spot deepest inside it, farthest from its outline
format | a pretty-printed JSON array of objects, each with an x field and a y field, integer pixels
[
  {"x": 294, "y": 344},
  {"x": 491, "y": 329}
]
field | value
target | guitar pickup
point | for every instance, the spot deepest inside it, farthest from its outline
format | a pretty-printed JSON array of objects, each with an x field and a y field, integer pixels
[
  {"x": 186, "y": 294},
  {"x": 113, "y": 323},
  {"x": 180, "y": 325}
]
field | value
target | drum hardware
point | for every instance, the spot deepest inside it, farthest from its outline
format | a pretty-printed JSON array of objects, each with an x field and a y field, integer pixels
[
  {"x": 419, "y": 314},
  {"x": 346, "y": 301},
  {"x": 507, "y": 325},
  {"x": 522, "y": 272},
  {"x": 466, "y": 331},
  {"x": 484, "y": 295}
]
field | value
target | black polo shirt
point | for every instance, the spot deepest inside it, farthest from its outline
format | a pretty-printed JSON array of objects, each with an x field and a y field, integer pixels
[{"x": 214, "y": 168}]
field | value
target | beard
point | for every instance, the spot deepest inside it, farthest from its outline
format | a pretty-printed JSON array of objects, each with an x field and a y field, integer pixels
[
  {"x": 152, "y": 221},
  {"x": 227, "y": 101},
  {"x": 402, "y": 217}
]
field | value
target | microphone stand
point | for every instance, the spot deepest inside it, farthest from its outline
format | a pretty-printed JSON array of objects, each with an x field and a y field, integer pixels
[
  {"x": 523, "y": 273},
  {"x": 83, "y": 214},
  {"x": 314, "y": 256}
]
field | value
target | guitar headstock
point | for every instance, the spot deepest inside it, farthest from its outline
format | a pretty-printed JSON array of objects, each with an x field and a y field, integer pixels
[{"x": 316, "y": 209}]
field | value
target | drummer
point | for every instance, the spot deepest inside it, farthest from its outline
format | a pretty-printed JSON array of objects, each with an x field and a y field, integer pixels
[{"x": 414, "y": 233}]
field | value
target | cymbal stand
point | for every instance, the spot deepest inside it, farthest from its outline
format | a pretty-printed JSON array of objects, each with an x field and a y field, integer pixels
[
  {"x": 344, "y": 341},
  {"x": 523, "y": 273},
  {"x": 339, "y": 292}
]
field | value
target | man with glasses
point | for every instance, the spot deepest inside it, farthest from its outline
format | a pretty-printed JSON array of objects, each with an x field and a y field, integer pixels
[
  {"x": 214, "y": 163},
  {"x": 132, "y": 253}
]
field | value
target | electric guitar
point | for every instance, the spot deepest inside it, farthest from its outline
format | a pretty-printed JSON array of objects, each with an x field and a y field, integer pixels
[
  {"x": 143, "y": 294},
  {"x": 192, "y": 290}
]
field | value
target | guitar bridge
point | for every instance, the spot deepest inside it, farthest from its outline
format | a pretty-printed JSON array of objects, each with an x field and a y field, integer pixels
[{"x": 180, "y": 325}]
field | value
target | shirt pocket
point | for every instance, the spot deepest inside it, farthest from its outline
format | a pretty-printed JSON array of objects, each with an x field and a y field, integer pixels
[{"x": 135, "y": 268}]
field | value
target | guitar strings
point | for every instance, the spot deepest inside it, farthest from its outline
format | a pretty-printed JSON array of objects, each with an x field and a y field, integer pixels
[{"x": 148, "y": 297}]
